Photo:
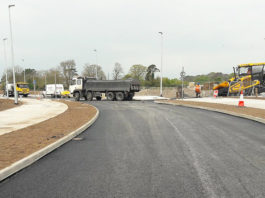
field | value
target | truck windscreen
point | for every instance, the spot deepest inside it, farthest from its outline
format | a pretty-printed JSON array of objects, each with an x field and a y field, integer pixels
[{"x": 23, "y": 85}]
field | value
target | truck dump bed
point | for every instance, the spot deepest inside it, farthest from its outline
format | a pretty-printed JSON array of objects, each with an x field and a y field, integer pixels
[{"x": 112, "y": 85}]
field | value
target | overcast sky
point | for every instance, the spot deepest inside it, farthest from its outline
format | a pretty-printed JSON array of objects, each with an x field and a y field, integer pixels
[{"x": 201, "y": 35}]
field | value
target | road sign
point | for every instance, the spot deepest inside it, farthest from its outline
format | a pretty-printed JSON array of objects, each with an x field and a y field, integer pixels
[{"x": 34, "y": 82}]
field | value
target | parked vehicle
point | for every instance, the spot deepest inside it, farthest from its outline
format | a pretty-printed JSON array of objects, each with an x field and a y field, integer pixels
[
  {"x": 22, "y": 88},
  {"x": 53, "y": 90},
  {"x": 89, "y": 88},
  {"x": 10, "y": 89},
  {"x": 65, "y": 94}
]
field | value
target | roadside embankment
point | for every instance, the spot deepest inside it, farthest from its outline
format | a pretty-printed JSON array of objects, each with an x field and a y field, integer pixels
[
  {"x": 19, "y": 144},
  {"x": 253, "y": 102},
  {"x": 256, "y": 114}
]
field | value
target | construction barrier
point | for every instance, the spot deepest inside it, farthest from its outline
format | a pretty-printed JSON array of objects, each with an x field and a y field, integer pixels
[
  {"x": 215, "y": 93},
  {"x": 241, "y": 100}
]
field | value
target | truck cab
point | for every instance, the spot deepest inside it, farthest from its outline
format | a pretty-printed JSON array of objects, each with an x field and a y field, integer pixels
[
  {"x": 22, "y": 88},
  {"x": 10, "y": 89},
  {"x": 76, "y": 84}
]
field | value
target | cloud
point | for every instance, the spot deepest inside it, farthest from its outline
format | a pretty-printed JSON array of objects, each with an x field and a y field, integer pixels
[{"x": 202, "y": 36}]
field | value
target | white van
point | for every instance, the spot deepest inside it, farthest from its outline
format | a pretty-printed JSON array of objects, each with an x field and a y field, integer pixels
[{"x": 53, "y": 90}]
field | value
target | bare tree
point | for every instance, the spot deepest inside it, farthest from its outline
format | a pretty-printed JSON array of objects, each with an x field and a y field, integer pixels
[
  {"x": 117, "y": 71},
  {"x": 90, "y": 71},
  {"x": 68, "y": 71}
]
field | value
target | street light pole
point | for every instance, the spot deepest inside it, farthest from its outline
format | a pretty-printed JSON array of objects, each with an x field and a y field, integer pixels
[
  {"x": 161, "y": 73},
  {"x": 4, "y": 41},
  {"x": 96, "y": 63},
  {"x": 182, "y": 75},
  {"x": 12, "y": 56},
  {"x": 24, "y": 70},
  {"x": 34, "y": 85},
  {"x": 45, "y": 81},
  {"x": 55, "y": 85}
]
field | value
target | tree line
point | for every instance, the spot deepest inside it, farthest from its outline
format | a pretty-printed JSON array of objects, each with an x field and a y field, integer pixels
[
  {"x": 216, "y": 77},
  {"x": 63, "y": 74}
]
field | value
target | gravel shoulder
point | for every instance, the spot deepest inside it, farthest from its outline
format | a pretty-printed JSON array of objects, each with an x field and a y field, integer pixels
[
  {"x": 21, "y": 143},
  {"x": 7, "y": 104},
  {"x": 250, "y": 111}
]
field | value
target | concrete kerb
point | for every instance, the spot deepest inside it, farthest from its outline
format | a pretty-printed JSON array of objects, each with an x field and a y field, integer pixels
[
  {"x": 217, "y": 110},
  {"x": 23, "y": 163}
]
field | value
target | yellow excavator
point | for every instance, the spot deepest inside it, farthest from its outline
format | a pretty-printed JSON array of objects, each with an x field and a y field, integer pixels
[{"x": 246, "y": 78}]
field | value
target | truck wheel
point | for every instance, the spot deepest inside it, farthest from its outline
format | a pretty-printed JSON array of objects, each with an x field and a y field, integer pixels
[
  {"x": 89, "y": 96},
  {"x": 98, "y": 98},
  {"x": 120, "y": 96},
  {"x": 110, "y": 96},
  {"x": 77, "y": 96},
  {"x": 130, "y": 96}
]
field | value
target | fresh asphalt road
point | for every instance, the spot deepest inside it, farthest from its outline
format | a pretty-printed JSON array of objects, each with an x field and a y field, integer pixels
[{"x": 142, "y": 149}]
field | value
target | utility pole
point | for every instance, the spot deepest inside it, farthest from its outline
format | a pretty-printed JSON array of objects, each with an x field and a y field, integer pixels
[
  {"x": 45, "y": 80},
  {"x": 12, "y": 55},
  {"x": 55, "y": 85},
  {"x": 4, "y": 41},
  {"x": 34, "y": 85},
  {"x": 96, "y": 52},
  {"x": 161, "y": 73},
  {"x": 24, "y": 70},
  {"x": 182, "y": 75}
]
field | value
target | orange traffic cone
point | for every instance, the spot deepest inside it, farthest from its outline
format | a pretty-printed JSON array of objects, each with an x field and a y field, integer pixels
[{"x": 241, "y": 100}]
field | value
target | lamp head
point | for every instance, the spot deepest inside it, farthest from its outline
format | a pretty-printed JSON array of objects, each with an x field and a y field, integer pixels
[{"x": 13, "y": 5}]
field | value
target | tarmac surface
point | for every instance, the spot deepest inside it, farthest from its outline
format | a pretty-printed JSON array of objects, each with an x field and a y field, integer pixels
[
  {"x": 32, "y": 111},
  {"x": 142, "y": 149}
]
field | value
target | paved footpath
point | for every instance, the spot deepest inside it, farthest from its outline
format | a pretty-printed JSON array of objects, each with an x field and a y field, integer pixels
[
  {"x": 31, "y": 112},
  {"x": 260, "y": 104}
]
